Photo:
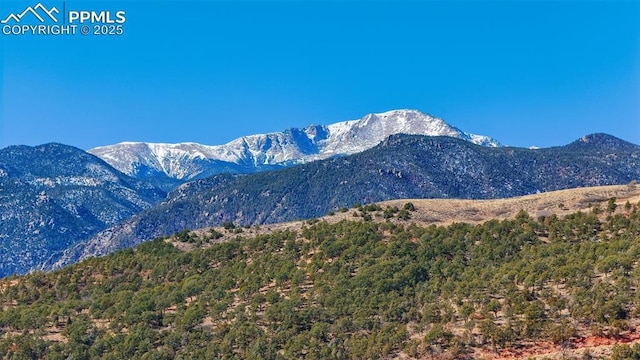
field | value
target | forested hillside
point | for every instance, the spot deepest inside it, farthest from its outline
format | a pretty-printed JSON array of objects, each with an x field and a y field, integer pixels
[{"x": 375, "y": 287}]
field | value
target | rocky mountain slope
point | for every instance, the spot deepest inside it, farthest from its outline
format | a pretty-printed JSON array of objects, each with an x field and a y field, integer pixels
[
  {"x": 53, "y": 195},
  {"x": 185, "y": 161},
  {"x": 403, "y": 166}
]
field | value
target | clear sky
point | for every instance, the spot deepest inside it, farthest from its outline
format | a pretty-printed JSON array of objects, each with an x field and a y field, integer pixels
[{"x": 526, "y": 73}]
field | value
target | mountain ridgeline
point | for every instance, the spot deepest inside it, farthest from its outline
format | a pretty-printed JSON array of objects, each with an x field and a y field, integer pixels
[
  {"x": 54, "y": 195},
  {"x": 403, "y": 166},
  {"x": 167, "y": 164}
]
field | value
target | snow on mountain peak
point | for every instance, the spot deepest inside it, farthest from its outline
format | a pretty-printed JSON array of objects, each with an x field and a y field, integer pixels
[{"x": 186, "y": 161}]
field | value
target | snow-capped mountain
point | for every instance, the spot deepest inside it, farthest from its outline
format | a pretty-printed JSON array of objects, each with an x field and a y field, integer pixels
[{"x": 186, "y": 161}]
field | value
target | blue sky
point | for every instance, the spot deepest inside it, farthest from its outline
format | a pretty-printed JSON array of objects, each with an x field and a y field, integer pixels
[{"x": 526, "y": 73}]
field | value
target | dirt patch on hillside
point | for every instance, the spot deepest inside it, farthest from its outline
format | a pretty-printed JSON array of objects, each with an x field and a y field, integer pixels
[
  {"x": 563, "y": 202},
  {"x": 598, "y": 347}
]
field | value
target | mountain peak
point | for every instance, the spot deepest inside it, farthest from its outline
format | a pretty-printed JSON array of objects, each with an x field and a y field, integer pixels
[
  {"x": 415, "y": 118},
  {"x": 404, "y": 113},
  {"x": 601, "y": 140},
  {"x": 407, "y": 116},
  {"x": 598, "y": 137},
  {"x": 252, "y": 153}
]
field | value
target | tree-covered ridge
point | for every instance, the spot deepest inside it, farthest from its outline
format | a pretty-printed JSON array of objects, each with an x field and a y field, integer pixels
[{"x": 350, "y": 290}]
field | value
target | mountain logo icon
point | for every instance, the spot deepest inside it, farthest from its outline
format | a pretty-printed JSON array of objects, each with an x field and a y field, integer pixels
[{"x": 39, "y": 11}]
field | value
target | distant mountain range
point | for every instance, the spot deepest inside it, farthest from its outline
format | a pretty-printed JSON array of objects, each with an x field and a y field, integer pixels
[
  {"x": 53, "y": 195},
  {"x": 60, "y": 204},
  {"x": 403, "y": 166},
  {"x": 186, "y": 161}
]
